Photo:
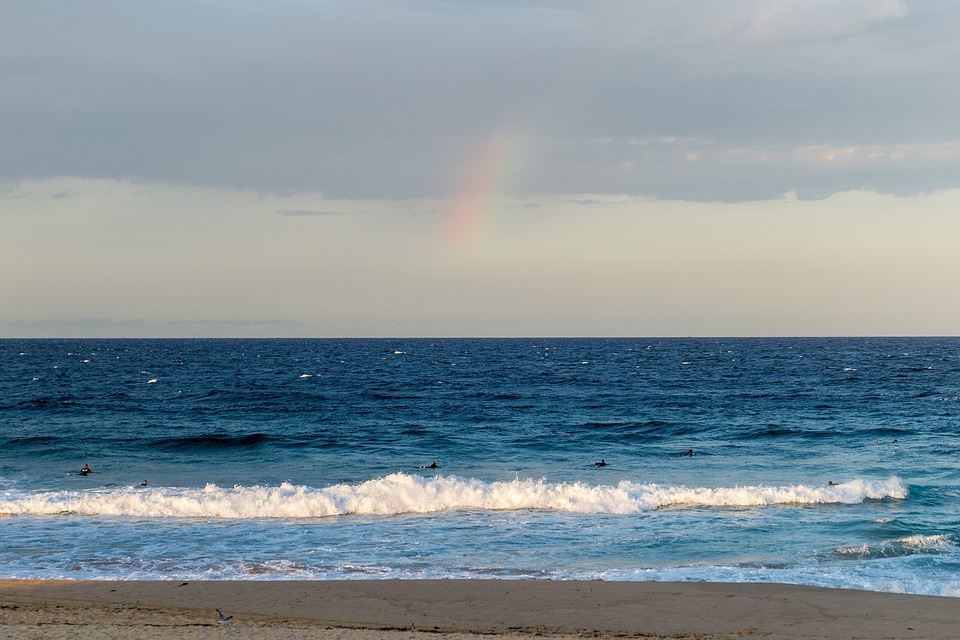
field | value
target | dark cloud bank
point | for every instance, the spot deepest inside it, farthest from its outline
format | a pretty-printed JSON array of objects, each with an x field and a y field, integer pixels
[{"x": 395, "y": 99}]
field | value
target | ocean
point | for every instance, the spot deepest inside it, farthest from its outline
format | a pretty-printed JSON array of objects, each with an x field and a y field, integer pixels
[{"x": 829, "y": 462}]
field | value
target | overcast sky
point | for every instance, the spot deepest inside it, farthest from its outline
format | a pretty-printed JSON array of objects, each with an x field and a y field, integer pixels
[{"x": 458, "y": 167}]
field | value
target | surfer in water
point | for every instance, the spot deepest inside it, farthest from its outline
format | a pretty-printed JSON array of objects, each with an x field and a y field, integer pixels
[
  {"x": 85, "y": 470},
  {"x": 689, "y": 453},
  {"x": 597, "y": 465},
  {"x": 432, "y": 465}
]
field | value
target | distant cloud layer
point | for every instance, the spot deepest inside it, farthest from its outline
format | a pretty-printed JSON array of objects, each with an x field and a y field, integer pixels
[
  {"x": 396, "y": 99},
  {"x": 307, "y": 212}
]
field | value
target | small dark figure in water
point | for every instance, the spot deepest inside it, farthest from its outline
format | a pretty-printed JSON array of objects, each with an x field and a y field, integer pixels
[
  {"x": 689, "y": 453},
  {"x": 896, "y": 442},
  {"x": 432, "y": 465},
  {"x": 85, "y": 470},
  {"x": 602, "y": 463},
  {"x": 831, "y": 483},
  {"x": 143, "y": 484}
]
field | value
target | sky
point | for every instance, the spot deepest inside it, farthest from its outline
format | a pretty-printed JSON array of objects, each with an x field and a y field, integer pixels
[{"x": 319, "y": 168}]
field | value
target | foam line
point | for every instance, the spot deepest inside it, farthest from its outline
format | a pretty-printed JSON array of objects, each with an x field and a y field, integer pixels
[{"x": 400, "y": 493}]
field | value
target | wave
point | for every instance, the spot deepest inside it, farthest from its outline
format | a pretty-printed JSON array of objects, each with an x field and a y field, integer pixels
[
  {"x": 213, "y": 441},
  {"x": 400, "y": 493},
  {"x": 907, "y": 546}
]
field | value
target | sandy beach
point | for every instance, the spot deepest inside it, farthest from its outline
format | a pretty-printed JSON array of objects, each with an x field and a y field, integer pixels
[{"x": 439, "y": 609}]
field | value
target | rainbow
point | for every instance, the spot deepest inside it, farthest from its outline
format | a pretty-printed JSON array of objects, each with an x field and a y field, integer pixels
[{"x": 463, "y": 222}]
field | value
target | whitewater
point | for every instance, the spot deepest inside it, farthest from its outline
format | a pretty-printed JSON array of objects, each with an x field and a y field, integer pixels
[{"x": 405, "y": 494}]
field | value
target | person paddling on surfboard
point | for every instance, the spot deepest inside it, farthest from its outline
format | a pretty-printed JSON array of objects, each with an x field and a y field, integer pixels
[
  {"x": 597, "y": 465},
  {"x": 432, "y": 465},
  {"x": 85, "y": 470}
]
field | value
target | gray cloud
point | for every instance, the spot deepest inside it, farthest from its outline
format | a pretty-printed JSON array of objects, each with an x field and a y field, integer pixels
[{"x": 393, "y": 99}]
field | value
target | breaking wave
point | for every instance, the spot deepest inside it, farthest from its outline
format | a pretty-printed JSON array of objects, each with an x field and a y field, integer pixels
[
  {"x": 400, "y": 493},
  {"x": 907, "y": 546}
]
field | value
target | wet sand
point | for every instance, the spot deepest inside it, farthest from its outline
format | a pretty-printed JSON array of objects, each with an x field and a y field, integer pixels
[{"x": 456, "y": 609}]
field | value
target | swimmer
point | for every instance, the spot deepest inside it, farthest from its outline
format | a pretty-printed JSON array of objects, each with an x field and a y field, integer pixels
[
  {"x": 597, "y": 465},
  {"x": 432, "y": 465},
  {"x": 85, "y": 470},
  {"x": 831, "y": 484},
  {"x": 689, "y": 453},
  {"x": 143, "y": 484}
]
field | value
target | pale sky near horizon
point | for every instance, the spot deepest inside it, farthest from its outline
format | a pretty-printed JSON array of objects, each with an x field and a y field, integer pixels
[{"x": 464, "y": 168}]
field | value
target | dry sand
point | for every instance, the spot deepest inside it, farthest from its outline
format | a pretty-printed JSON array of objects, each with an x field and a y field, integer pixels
[{"x": 461, "y": 609}]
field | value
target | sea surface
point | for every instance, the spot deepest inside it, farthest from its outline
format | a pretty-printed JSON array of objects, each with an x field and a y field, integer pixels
[{"x": 831, "y": 462}]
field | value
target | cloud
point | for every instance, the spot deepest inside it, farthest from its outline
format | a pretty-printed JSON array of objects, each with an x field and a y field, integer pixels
[
  {"x": 772, "y": 22},
  {"x": 674, "y": 24},
  {"x": 136, "y": 327},
  {"x": 308, "y": 212},
  {"x": 599, "y": 200},
  {"x": 876, "y": 155},
  {"x": 389, "y": 99},
  {"x": 96, "y": 325},
  {"x": 828, "y": 157}
]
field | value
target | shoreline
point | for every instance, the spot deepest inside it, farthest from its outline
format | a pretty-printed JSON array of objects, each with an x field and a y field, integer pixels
[{"x": 454, "y": 609}]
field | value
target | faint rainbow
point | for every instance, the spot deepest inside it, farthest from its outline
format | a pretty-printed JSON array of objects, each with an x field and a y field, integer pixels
[{"x": 488, "y": 171}]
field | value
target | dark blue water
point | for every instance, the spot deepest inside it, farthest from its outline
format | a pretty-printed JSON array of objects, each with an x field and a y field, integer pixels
[{"x": 301, "y": 458}]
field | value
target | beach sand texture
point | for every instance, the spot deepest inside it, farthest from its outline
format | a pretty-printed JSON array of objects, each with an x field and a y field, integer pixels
[{"x": 446, "y": 609}]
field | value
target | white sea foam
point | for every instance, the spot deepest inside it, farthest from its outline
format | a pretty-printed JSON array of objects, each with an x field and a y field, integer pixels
[
  {"x": 909, "y": 545},
  {"x": 400, "y": 493},
  {"x": 937, "y": 542}
]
